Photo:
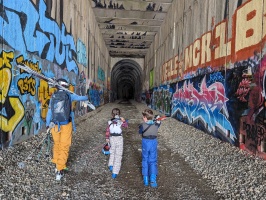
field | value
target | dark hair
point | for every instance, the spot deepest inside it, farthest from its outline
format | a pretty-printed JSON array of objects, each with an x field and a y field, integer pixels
[
  {"x": 115, "y": 112},
  {"x": 148, "y": 114}
]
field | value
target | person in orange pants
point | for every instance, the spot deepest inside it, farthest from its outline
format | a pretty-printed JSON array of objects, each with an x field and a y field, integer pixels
[
  {"x": 62, "y": 142},
  {"x": 59, "y": 113}
]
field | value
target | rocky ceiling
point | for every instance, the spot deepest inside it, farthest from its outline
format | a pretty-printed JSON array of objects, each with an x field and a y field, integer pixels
[{"x": 129, "y": 26}]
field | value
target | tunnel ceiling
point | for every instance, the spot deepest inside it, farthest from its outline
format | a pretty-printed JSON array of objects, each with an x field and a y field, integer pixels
[{"x": 129, "y": 26}]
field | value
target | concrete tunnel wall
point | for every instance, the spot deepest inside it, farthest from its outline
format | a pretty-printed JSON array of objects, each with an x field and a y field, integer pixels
[{"x": 206, "y": 68}]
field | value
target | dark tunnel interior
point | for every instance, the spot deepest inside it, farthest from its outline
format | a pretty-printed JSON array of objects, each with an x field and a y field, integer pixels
[{"x": 126, "y": 80}]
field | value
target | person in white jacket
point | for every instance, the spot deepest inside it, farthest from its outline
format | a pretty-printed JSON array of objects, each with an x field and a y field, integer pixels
[{"x": 114, "y": 136}]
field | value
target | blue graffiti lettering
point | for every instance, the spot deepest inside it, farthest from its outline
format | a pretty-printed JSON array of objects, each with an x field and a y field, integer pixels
[
  {"x": 101, "y": 74},
  {"x": 192, "y": 105},
  {"x": 216, "y": 77},
  {"x": 82, "y": 53},
  {"x": 24, "y": 29}
]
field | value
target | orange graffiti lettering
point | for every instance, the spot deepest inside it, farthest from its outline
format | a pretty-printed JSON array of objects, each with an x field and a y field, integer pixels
[
  {"x": 6, "y": 58},
  {"x": 214, "y": 48},
  {"x": 27, "y": 85},
  {"x": 33, "y": 66},
  {"x": 44, "y": 96},
  {"x": 9, "y": 124}
]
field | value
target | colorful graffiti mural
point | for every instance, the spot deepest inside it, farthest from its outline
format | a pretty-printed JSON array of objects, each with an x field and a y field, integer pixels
[
  {"x": 12, "y": 110},
  {"x": 220, "y": 81},
  {"x": 229, "y": 105},
  {"x": 30, "y": 37},
  {"x": 33, "y": 32},
  {"x": 214, "y": 49},
  {"x": 82, "y": 53},
  {"x": 96, "y": 94},
  {"x": 202, "y": 103},
  {"x": 151, "y": 82},
  {"x": 161, "y": 99},
  {"x": 101, "y": 74},
  {"x": 253, "y": 118},
  {"x": 146, "y": 97}
]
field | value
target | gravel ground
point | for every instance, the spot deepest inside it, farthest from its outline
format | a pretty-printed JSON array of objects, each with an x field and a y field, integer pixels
[{"x": 192, "y": 165}]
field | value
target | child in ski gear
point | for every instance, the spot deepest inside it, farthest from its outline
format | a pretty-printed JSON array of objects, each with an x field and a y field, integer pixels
[
  {"x": 149, "y": 132},
  {"x": 114, "y": 136},
  {"x": 59, "y": 113}
]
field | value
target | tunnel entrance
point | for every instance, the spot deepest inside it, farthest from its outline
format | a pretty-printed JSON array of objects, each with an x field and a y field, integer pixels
[{"x": 126, "y": 80}]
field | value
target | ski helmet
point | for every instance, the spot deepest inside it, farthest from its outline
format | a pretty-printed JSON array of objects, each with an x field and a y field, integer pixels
[
  {"x": 63, "y": 82},
  {"x": 106, "y": 148}
]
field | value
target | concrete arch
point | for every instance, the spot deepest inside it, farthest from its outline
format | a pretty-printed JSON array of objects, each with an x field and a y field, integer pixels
[{"x": 126, "y": 80}]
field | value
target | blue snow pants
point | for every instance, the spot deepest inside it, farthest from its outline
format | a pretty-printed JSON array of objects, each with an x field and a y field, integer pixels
[{"x": 149, "y": 156}]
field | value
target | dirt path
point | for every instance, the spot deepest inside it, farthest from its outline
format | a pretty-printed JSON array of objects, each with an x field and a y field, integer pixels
[{"x": 176, "y": 179}]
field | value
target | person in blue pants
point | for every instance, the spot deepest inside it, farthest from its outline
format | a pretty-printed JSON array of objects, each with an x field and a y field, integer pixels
[{"x": 149, "y": 131}]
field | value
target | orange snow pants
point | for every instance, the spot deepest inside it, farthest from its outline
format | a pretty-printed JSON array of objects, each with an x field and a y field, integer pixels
[{"x": 62, "y": 141}]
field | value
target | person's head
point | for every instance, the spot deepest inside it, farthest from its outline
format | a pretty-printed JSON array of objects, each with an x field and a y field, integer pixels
[
  {"x": 115, "y": 112},
  {"x": 63, "y": 82},
  {"x": 148, "y": 114}
]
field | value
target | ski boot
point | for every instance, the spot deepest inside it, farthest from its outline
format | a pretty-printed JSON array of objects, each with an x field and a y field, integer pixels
[{"x": 153, "y": 181}]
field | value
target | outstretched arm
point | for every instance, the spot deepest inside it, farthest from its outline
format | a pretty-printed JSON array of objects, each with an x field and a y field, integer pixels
[
  {"x": 125, "y": 122},
  {"x": 75, "y": 97}
]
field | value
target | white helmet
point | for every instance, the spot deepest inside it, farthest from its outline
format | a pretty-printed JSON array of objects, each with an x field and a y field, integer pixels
[{"x": 63, "y": 82}]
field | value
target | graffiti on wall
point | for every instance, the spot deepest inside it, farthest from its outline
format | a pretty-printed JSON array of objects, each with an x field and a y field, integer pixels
[
  {"x": 151, "y": 82},
  {"x": 161, "y": 99},
  {"x": 44, "y": 95},
  {"x": 80, "y": 89},
  {"x": 82, "y": 53},
  {"x": 27, "y": 29},
  {"x": 220, "y": 85},
  {"x": 12, "y": 109},
  {"x": 101, "y": 74},
  {"x": 24, "y": 99},
  {"x": 28, "y": 36},
  {"x": 202, "y": 103},
  {"x": 226, "y": 103},
  {"x": 96, "y": 94},
  {"x": 253, "y": 99},
  {"x": 210, "y": 52}
]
